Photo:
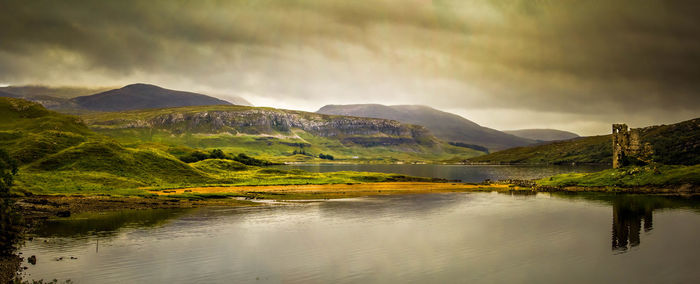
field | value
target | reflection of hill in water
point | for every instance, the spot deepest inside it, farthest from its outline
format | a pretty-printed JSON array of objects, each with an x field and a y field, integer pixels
[
  {"x": 391, "y": 206},
  {"x": 105, "y": 223},
  {"x": 631, "y": 213}
]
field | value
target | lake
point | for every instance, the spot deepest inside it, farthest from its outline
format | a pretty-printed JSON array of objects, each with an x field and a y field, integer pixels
[
  {"x": 423, "y": 238},
  {"x": 465, "y": 173}
]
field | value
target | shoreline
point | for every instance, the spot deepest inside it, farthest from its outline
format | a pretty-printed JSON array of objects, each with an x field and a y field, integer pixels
[
  {"x": 41, "y": 207},
  {"x": 334, "y": 190}
]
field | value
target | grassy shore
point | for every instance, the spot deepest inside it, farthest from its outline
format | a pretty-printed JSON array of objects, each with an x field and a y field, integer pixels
[
  {"x": 643, "y": 179},
  {"x": 328, "y": 191}
]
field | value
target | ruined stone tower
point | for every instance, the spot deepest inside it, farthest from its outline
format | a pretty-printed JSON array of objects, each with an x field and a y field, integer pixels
[{"x": 627, "y": 147}]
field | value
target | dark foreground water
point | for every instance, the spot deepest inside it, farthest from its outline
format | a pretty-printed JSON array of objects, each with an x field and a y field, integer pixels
[
  {"x": 465, "y": 173},
  {"x": 428, "y": 238}
]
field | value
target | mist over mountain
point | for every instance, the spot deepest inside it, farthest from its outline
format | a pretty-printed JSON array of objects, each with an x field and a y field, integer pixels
[
  {"x": 31, "y": 91},
  {"x": 50, "y": 98},
  {"x": 7, "y": 95},
  {"x": 543, "y": 134},
  {"x": 444, "y": 125}
]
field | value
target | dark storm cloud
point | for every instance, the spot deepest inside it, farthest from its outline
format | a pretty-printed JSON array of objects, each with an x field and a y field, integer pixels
[{"x": 582, "y": 59}]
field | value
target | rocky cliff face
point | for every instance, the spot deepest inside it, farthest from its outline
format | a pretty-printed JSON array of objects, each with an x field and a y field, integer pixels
[{"x": 255, "y": 121}]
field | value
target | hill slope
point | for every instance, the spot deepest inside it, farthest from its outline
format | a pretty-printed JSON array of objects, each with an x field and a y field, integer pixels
[
  {"x": 543, "y": 134},
  {"x": 446, "y": 126},
  {"x": 57, "y": 151},
  {"x": 143, "y": 96},
  {"x": 277, "y": 134},
  {"x": 58, "y": 154},
  {"x": 673, "y": 144}
]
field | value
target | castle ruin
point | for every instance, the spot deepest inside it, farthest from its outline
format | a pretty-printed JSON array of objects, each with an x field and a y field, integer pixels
[{"x": 628, "y": 148}]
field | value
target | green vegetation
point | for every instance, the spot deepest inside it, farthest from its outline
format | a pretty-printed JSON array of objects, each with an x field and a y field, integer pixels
[
  {"x": 58, "y": 154},
  {"x": 594, "y": 149},
  {"x": 189, "y": 155},
  {"x": 647, "y": 176},
  {"x": 8, "y": 168},
  {"x": 277, "y": 135},
  {"x": 326, "y": 157},
  {"x": 674, "y": 144},
  {"x": 10, "y": 221}
]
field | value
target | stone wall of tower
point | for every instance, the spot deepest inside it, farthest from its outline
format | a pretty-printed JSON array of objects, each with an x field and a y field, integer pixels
[
  {"x": 620, "y": 137},
  {"x": 628, "y": 147}
]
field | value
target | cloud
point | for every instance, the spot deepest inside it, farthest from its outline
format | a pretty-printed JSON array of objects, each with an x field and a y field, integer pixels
[{"x": 589, "y": 60}]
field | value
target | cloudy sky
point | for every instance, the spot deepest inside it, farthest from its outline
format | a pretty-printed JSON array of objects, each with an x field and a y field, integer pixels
[{"x": 568, "y": 64}]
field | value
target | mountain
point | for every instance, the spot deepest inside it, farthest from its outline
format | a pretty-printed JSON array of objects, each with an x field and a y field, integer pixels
[
  {"x": 8, "y": 95},
  {"x": 675, "y": 144},
  {"x": 277, "y": 134},
  {"x": 30, "y": 91},
  {"x": 143, "y": 96},
  {"x": 444, "y": 125},
  {"x": 77, "y": 100},
  {"x": 543, "y": 134}
]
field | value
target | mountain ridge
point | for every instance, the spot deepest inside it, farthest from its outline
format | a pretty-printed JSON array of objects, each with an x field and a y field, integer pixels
[
  {"x": 143, "y": 96},
  {"x": 444, "y": 125},
  {"x": 77, "y": 100}
]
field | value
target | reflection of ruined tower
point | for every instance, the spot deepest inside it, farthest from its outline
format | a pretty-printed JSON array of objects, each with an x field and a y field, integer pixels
[
  {"x": 627, "y": 146},
  {"x": 628, "y": 215}
]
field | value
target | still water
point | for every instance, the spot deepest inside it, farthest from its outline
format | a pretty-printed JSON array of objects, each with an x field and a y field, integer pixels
[
  {"x": 425, "y": 238},
  {"x": 465, "y": 173}
]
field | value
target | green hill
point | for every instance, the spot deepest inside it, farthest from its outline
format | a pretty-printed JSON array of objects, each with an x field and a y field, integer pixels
[
  {"x": 665, "y": 176},
  {"x": 59, "y": 154},
  {"x": 675, "y": 144},
  {"x": 278, "y": 135}
]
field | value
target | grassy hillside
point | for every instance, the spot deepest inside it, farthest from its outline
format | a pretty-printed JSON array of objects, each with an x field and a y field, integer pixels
[
  {"x": 446, "y": 126},
  {"x": 675, "y": 144},
  {"x": 594, "y": 149},
  {"x": 662, "y": 176},
  {"x": 29, "y": 132},
  {"x": 276, "y": 134},
  {"x": 58, "y": 153}
]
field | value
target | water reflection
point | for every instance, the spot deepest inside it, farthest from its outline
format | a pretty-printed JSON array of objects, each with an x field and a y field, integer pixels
[
  {"x": 104, "y": 224},
  {"x": 434, "y": 238},
  {"x": 628, "y": 216},
  {"x": 633, "y": 213}
]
